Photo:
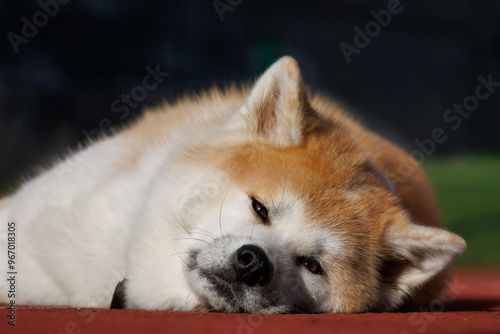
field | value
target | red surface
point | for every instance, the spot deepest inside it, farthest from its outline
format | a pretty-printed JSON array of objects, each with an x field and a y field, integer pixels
[{"x": 475, "y": 309}]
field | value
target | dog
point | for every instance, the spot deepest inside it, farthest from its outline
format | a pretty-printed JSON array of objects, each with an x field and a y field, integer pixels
[{"x": 264, "y": 199}]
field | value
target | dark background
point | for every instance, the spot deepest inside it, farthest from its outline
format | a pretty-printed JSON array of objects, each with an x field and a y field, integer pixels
[{"x": 63, "y": 81}]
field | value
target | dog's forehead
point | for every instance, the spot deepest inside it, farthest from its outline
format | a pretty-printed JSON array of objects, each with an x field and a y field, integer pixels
[
  {"x": 334, "y": 182},
  {"x": 315, "y": 172}
]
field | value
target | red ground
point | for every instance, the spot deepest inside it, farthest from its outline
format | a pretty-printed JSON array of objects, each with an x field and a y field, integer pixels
[{"x": 475, "y": 309}]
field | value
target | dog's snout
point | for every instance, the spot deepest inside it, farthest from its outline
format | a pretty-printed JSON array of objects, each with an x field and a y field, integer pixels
[{"x": 252, "y": 266}]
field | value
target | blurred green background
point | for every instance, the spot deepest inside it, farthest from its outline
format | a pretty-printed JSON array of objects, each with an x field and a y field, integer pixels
[{"x": 468, "y": 191}]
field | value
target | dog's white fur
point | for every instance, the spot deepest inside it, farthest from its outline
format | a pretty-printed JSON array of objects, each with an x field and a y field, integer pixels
[{"x": 147, "y": 204}]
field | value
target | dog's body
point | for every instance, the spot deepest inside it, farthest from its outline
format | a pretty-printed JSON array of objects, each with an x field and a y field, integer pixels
[{"x": 261, "y": 201}]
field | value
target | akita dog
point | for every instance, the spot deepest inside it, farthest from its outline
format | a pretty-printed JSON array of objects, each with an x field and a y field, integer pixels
[{"x": 266, "y": 200}]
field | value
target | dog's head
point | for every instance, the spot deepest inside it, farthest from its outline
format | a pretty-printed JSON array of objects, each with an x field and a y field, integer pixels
[{"x": 281, "y": 210}]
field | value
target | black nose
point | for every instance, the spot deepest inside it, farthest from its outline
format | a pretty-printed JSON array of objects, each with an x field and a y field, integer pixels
[{"x": 252, "y": 266}]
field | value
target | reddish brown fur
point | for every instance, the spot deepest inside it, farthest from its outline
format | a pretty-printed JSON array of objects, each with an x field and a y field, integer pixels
[
  {"x": 337, "y": 170},
  {"x": 336, "y": 158},
  {"x": 321, "y": 171}
]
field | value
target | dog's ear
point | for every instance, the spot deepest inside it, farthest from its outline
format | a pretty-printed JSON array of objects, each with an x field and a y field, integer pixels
[
  {"x": 276, "y": 106},
  {"x": 413, "y": 255}
]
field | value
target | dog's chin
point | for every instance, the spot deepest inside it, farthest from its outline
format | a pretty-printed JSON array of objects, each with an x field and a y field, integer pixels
[{"x": 218, "y": 295}]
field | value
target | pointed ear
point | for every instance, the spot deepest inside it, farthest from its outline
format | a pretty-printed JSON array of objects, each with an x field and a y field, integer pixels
[
  {"x": 276, "y": 105},
  {"x": 414, "y": 255}
]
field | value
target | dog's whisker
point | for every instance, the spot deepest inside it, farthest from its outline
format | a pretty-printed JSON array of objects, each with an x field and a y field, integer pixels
[
  {"x": 220, "y": 215},
  {"x": 179, "y": 255},
  {"x": 205, "y": 234},
  {"x": 180, "y": 222},
  {"x": 253, "y": 228},
  {"x": 284, "y": 187},
  {"x": 296, "y": 310},
  {"x": 189, "y": 297},
  {"x": 191, "y": 238}
]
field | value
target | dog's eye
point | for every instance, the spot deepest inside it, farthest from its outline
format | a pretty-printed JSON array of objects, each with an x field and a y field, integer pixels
[
  {"x": 310, "y": 264},
  {"x": 260, "y": 210}
]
